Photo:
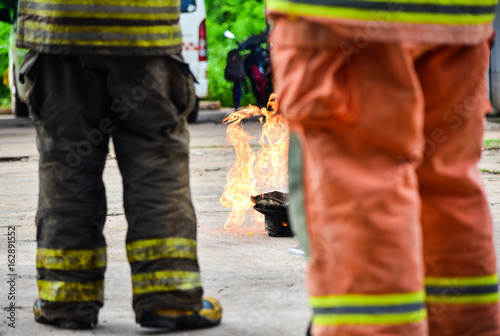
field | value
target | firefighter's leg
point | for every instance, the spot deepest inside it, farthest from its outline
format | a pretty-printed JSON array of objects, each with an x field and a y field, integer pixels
[
  {"x": 67, "y": 104},
  {"x": 151, "y": 101},
  {"x": 460, "y": 266},
  {"x": 354, "y": 193}
]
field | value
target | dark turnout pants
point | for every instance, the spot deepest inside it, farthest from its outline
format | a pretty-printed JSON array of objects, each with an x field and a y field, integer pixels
[{"x": 78, "y": 103}]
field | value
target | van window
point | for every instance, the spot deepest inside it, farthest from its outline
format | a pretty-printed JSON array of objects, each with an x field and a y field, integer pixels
[{"x": 188, "y": 6}]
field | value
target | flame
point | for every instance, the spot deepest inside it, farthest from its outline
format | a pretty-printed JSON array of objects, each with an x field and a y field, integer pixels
[{"x": 254, "y": 174}]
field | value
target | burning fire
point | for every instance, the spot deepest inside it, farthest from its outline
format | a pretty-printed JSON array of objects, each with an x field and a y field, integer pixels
[{"x": 252, "y": 173}]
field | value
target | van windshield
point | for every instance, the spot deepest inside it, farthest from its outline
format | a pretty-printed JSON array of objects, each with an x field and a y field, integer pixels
[{"x": 188, "y": 6}]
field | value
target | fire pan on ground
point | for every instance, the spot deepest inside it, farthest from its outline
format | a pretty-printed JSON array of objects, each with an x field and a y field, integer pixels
[{"x": 274, "y": 207}]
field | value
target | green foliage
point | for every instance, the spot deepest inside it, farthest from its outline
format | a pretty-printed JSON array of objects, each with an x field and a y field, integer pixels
[
  {"x": 4, "y": 62},
  {"x": 242, "y": 19},
  {"x": 8, "y": 4}
]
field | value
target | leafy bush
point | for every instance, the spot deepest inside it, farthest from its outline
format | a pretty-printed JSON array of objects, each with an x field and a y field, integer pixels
[
  {"x": 4, "y": 62},
  {"x": 8, "y": 5},
  {"x": 242, "y": 19}
]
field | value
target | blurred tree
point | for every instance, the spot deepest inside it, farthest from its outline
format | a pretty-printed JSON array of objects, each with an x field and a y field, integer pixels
[
  {"x": 242, "y": 19},
  {"x": 10, "y": 5}
]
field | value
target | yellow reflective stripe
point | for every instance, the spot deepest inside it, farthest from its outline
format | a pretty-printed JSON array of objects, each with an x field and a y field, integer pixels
[
  {"x": 70, "y": 291},
  {"x": 163, "y": 281},
  {"x": 369, "y": 319},
  {"x": 102, "y": 15},
  {"x": 70, "y": 260},
  {"x": 299, "y": 9},
  {"x": 462, "y": 290},
  {"x": 152, "y": 249},
  {"x": 131, "y": 30},
  {"x": 462, "y": 281},
  {"x": 446, "y": 19},
  {"x": 107, "y": 43},
  {"x": 393, "y": 3},
  {"x": 463, "y": 299},
  {"x": 125, "y": 3},
  {"x": 366, "y": 300}
]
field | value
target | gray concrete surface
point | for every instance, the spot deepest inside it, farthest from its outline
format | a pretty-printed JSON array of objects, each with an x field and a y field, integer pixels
[{"x": 259, "y": 284}]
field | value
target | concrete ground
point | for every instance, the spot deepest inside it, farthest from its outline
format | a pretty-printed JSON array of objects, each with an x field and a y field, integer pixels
[{"x": 259, "y": 283}]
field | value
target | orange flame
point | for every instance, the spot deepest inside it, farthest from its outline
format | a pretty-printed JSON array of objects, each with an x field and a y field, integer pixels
[{"x": 252, "y": 173}]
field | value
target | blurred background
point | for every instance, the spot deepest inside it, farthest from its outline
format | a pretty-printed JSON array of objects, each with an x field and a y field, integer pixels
[
  {"x": 4, "y": 54},
  {"x": 242, "y": 18}
]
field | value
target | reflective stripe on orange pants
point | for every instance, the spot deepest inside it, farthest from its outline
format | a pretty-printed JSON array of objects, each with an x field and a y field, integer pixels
[{"x": 384, "y": 185}]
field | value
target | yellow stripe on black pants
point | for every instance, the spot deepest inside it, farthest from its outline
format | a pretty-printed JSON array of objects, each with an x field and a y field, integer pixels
[
  {"x": 67, "y": 260},
  {"x": 153, "y": 249},
  {"x": 89, "y": 264},
  {"x": 163, "y": 268}
]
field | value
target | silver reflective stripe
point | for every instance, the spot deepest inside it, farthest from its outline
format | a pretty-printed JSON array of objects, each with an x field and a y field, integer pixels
[
  {"x": 297, "y": 208},
  {"x": 90, "y": 36}
]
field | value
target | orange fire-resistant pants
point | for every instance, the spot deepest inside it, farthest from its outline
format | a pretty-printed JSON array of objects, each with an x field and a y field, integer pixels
[{"x": 385, "y": 193}]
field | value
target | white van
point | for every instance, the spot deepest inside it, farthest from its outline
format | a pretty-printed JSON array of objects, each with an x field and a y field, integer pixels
[{"x": 194, "y": 46}]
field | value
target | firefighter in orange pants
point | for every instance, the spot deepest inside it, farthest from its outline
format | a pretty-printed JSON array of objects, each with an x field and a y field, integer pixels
[{"x": 386, "y": 105}]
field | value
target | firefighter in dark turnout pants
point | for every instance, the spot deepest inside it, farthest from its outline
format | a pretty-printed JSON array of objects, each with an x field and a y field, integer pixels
[{"x": 95, "y": 70}]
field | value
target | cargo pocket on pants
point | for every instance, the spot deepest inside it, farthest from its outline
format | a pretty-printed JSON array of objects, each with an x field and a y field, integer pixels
[
  {"x": 182, "y": 86},
  {"x": 28, "y": 75}
]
